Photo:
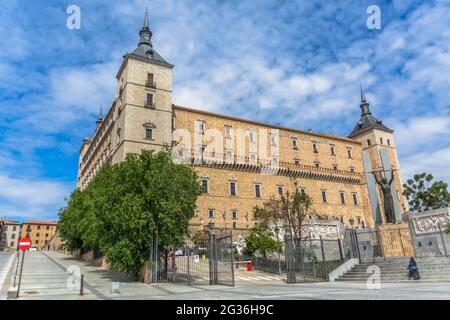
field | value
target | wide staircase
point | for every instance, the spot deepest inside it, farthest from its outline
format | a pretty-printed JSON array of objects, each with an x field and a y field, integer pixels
[{"x": 431, "y": 269}]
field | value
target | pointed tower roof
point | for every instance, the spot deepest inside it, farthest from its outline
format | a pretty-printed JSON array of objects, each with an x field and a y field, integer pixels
[
  {"x": 145, "y": 47},
  {"x": 367, "y": 120},
  {"x": 100, "y": 114}
]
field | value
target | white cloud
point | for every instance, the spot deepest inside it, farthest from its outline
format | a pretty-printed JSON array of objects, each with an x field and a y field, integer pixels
[{"x": 30, "y": 197}]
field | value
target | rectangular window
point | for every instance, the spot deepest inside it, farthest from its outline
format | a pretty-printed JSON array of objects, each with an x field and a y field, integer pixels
[
  {"x": 150, "y": 80},
  {"x": 38, "y": 234},
  {"x": 46, "y": 235},
  {"x": 204, "y": 184},
  {"x": 388, "y": 142},
  {"x": 296, "y": 162},
  {"x": 39, "y": 227},
  {"x": 37, "y": 242},
  {"x": 324, "y": 196},
  {"x": 258, "y": 190},
  {"x": 232, "y": 188},
  {"x": 342, "y": 197},
  {"x": 341, "y": 218},
  {"x": 381, "y": 140},
  {"x": 229, "y": 155},
  {"x": 294, "y": 143},
  {"x": 302, "y": 190},
  {"x": 251, "y": 136},
  {"x": 234, "y": 214},
  {"x": 317, "y": 164},
  {"x": 149, "y": 100},
  {"x": 253, "y": 158},
  {"x": 358, "y": 219},
  {"x": 234, "y": 224},
  {"x": 275, "y": 161},
  {"x": 349, "y": 153},
  {"x": 273, "y": 139},
  {"x": 314, "y": 145},
  {"x": 333, "y": 150},
  {"x": 228, "y": 132},
  {"x": 369, "y": 142},
  {"x": 200, "y": 126},
  {"x": 148, "y": 134},
  {"x": 355, "y": 198},
  {"x": 211, "y": 213},
  {"x": 280, "y": 190},
  {"x": 352, "y": 169},
  {"x": 13, "y": 236},
  {"x": 335, "y": 166}
]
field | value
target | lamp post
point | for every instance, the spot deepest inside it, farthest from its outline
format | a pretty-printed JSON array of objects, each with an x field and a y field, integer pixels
[
  {"x": 351, "y": 221},
  {"x": 277, "y": 231}
]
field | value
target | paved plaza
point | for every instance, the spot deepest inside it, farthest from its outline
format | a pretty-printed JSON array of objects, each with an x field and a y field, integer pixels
[{"x": 46, "y": 276}]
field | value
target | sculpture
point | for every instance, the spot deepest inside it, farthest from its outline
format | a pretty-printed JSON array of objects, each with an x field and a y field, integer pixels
[{"x": 385, "y": 187}]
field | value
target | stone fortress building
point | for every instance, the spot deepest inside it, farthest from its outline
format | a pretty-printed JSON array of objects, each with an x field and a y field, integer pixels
[{"x": 334, "y": 170}]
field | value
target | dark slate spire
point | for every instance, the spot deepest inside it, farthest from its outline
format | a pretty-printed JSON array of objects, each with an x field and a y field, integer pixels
[
  {"x": 145, "y": 33},
  {"x": 145, "y": 47},
  {"x": 367, "y": 120}
]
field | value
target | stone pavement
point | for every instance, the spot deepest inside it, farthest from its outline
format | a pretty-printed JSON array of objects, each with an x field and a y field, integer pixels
[
  {"x": 6, "y": 260},
  {"x": 99, "y": 282}
]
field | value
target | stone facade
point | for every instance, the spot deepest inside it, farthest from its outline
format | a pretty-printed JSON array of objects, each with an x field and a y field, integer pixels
[
  {"x": 40, "y": 232},
  {"x": 328, "y": 167},
  {"x": 9, "y": 235}
]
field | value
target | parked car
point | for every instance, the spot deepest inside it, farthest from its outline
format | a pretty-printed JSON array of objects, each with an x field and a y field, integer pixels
[{"x": 33, "y": 248}]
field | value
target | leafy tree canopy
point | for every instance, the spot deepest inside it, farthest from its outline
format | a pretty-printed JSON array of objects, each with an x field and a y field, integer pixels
[
  {"x": 423, "y": 195},
  {"x": 126, "y": 203},
  {"x": 262, "y": 239}
]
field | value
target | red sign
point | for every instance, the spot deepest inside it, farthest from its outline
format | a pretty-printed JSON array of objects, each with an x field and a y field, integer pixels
[{"x": 24, "y": 243}]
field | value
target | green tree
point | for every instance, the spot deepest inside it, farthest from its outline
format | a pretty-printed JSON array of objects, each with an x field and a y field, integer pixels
[
  {"x": 290, "y": 209},
  {"x": 263, "y": 240},
  {"x": 129, "y": 202},
  {"x": 422, "y": 194}
]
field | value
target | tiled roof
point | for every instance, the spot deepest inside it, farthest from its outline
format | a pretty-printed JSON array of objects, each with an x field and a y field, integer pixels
[{"x": 41, "y": 222}]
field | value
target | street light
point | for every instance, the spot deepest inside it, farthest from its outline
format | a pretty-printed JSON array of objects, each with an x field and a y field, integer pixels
[{"x": 351, "y": 221}]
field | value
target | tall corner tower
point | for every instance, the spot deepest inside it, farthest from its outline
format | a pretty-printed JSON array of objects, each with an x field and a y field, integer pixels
[
  {"x": 143, "y": 104},
  {"x": 379, "y": 154}
]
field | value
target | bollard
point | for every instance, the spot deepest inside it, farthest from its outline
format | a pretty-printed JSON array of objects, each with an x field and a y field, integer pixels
[
  {"x": 249, "y": 266},
  {"x": 81, "y": 285}
]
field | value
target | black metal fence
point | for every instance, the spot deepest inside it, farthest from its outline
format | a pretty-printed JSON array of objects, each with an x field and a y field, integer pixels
[
  {"x": 204, "y": 261},
  {"x": 311, "y": 259}
]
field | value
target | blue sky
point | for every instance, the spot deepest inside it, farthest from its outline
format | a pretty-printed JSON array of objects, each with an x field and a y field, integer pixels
[{"x": 293, "y": 63}]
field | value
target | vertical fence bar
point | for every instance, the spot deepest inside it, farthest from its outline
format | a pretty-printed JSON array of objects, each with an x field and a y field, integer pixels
[
  {"x": 210, "y": 259},
  {"x": 323, "y": 257},
  {"x": 340, "y": 249},
  {"x": 188, "y": 265},
  {"x": 357, "y": 245},
  {"x": 442, "y": 238}
]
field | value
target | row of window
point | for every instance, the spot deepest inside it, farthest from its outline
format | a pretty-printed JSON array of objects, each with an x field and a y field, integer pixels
[
  {"x": 232, "y": 187},
  {"x": 369, "y": 142},
  {"x": 273, "y": 139},
  {"x": 14, "y": 228}
]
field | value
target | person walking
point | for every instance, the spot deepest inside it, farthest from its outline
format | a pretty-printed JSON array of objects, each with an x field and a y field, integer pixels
[{"x": 413, "y": 270}]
